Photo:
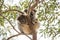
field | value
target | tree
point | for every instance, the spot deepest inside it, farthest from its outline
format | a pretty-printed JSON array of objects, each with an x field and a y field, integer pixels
[{"x": 48, "y": 13}]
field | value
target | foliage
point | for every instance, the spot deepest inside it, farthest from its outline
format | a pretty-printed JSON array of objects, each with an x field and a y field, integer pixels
[{"x": 48, "y": 13}]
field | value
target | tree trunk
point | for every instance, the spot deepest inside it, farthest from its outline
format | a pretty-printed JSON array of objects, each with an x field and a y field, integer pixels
[{"x": 34, "y": 35}]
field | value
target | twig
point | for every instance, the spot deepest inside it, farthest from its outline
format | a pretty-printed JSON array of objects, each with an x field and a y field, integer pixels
[
  {"x": 13, "y": 36},
  {"x": 17, "y": 35},
  {"x": 12, "y": 10},
  {"x": 27, "y": 36},
  {"x": 9, "y": 22}
]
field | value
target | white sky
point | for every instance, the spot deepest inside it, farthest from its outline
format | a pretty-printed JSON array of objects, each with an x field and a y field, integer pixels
[{"x": 21, "y": 37}]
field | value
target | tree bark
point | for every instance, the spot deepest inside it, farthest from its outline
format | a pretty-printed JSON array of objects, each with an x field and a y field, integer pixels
[{"x": 34, "y": 36}]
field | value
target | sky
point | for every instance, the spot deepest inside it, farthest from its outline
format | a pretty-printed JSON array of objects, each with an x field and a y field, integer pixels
[{"x": 22, "y": 37}]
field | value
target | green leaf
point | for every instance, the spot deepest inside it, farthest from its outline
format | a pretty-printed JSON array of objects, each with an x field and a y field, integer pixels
[{"x": 1, "y": 21}]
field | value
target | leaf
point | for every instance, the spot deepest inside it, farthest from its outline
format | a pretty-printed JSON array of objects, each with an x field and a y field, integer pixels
[{"x": 1, "y": 21}]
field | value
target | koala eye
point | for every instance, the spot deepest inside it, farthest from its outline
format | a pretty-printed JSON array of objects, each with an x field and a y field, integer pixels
[
  {"x": 35, "y": 22},
  {"x": 34, "y": 10}
]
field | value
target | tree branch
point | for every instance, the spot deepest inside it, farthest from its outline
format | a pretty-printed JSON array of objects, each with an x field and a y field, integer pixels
[
  {"x": 34, "y": 34},
  {"x": 12, "y": 10},
  {"x": 35, "y": 4},
  {"x": 17, "y": 35},
  {"x": 13, "y": 36}
]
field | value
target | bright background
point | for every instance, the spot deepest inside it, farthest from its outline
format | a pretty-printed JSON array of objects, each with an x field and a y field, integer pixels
[{"x": 22, "y": 37}]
